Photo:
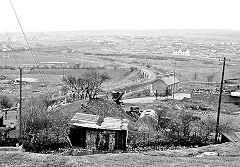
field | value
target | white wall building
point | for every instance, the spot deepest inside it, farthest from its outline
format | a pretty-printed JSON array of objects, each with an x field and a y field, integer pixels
[{"x": 182, "y": 52}]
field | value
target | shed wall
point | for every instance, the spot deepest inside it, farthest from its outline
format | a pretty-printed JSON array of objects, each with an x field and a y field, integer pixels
[{"x": 98, "y": 138}]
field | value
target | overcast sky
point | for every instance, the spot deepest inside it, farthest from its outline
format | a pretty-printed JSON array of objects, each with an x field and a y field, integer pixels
[{"x": 67, "y": 15}]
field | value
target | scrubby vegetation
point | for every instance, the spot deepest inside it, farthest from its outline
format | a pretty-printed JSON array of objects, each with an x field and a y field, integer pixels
[
  {"x": 178, "y": 124},
  {"x": 43, "y": 128},
  {"x": 175, "y": 125},
  {"x": 5, "y": 102}
]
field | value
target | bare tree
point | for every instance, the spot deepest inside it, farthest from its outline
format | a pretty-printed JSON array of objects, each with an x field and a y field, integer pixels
[
  {"x": 87, "y": 85},
  {"x": 93, "y": 81}
]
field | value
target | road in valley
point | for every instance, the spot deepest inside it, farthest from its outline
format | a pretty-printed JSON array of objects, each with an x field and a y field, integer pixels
[
  {"x": 178, "y": 96},
  {"x": 151, "y": 76}
]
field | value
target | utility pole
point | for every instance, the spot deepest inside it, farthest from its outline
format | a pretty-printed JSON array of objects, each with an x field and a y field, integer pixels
[
  {"x": 156, "y": 93},
  {"x": 174, "y": 80},
  {"x": 20, "y": 105},
  {"x": 219, "y": 103}
]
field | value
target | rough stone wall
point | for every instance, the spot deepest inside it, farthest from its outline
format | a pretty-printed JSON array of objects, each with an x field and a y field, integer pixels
[
  {"x": 91, "y": 137},
  {"x": 101, "y": 140},
  {"x": 111, "y": 141}
]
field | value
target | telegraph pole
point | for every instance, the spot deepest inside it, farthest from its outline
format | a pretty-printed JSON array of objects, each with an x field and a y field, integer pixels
[
  {"x": 219, "y": 103},
  {"x": 63, "y": 71},
  {"x": 174, "y": 80},
  {"x": 156, "y": 93},
  {"x": 20, "y": 105}
]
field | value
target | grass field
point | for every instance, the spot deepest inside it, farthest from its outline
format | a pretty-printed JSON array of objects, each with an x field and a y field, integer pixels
[
  {"x": 55, "y": 75},
  {"x": 186, "y": 67},
  {"x": 228, "y": 157}
]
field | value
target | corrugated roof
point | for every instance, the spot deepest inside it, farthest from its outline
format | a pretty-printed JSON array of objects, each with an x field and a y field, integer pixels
[
  {"x": 232, "y": 136},
  {"x": 111, "y": 123},
  {"x": 170, "y": 80},
  {"x": 238, "y": 135},
  {"x": 85, "y": 118},
  {"x": 97, "y": 122}
]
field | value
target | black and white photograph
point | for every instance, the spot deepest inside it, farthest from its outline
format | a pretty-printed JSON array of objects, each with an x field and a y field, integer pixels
[{"x": 120, "y": 83}]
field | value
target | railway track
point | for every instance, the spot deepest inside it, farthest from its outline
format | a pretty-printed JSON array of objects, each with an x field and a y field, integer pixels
[{"x": 150, "y": 75}]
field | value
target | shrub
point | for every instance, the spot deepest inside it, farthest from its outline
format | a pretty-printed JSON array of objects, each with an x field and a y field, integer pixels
[
  {"x": 5, "y": 102},
  {"x": 42, "y": 128},
  {"x": 180, "y": 128}
]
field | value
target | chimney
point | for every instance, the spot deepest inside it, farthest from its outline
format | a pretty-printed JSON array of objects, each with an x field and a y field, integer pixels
[
  {"x": 159, "y": 76},
  {"x": 167, "y": 75},
  {"x": 172, "y": 74}
]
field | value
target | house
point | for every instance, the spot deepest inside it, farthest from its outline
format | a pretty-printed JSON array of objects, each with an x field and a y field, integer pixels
[
  {"x": 177, "y": 52},
  {"x": 235, "y": 98},
  {"x": 182, "y": 52},
  {"x": 186, "y": 52},
  {"x": 97, "y": 132},
  {"x": 165, "y": 86},
  {"x": 25, "y": 80},
  {"x": 7, "y": 129}
]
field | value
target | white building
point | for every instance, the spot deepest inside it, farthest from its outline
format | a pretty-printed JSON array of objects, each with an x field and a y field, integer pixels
[
  {"x": 150, "y": 113},
  {"x": 182, "y": 52}
]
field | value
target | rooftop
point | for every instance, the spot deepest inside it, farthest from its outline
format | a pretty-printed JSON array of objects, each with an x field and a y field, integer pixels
[
  {"x": 235, "y": 94},
  {"x": 98, "y": 122},
  {"x": 232, "y": 136},
  {"x": 170, "y": 80}
]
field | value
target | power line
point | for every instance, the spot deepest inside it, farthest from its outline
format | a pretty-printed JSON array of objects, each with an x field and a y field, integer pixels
[{"x": 34, "y": 59}]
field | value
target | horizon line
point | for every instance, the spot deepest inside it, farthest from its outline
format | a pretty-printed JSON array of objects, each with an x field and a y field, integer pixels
[{"x": 152, "y": 29}]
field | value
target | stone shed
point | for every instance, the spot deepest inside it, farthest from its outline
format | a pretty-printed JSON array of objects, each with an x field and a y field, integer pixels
[{"x": 95, "y": 132}]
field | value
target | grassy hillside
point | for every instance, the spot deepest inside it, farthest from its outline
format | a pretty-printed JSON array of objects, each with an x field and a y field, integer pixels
[{"x": 228, "y": 156}]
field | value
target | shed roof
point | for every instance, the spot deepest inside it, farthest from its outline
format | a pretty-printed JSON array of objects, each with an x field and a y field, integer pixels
[
  {"x": 170, "y": 80},
  {"x": 98, "y": 122},
  {"x": 82, "y": 118},
  {"x": 232, "y": 136},
  {"x": 235, "y": 94}
]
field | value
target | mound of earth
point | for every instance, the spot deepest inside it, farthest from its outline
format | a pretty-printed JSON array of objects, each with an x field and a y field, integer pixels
[{"x": 100, "y": 107}]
